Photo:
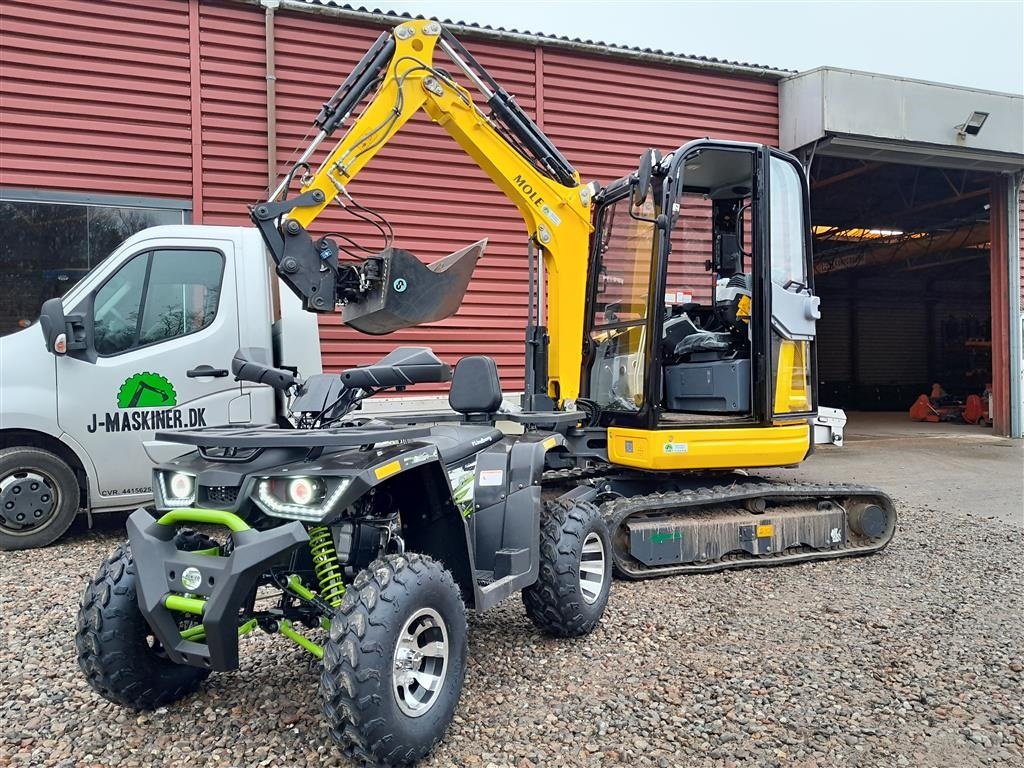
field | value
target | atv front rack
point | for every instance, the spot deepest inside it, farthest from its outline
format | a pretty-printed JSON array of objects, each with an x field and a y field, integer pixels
[
  {"x": 269, "y": 435},
  {"x": 209, "y": 586}
]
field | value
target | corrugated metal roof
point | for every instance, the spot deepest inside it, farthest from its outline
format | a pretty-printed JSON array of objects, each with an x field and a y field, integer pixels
[{"x": 547, "y": 40}]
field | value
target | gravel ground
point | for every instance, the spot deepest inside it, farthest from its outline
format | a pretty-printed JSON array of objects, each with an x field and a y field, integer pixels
[{"x": 909, "y": 658}]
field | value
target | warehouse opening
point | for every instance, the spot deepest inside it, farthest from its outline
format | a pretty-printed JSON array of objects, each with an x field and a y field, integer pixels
[
  {"x": 902, "y": 265},
  {"x": 916, "y": 217}
]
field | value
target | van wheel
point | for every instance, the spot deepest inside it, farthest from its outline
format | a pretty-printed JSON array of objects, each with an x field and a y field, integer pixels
[{"x": 39, "y": 498}]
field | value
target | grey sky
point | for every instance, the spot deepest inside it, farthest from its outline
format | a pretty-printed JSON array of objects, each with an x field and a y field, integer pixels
[{"x": 978, "y": 44}]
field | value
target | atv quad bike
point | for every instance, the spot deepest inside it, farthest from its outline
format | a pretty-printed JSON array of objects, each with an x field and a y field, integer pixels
[{"x": 381, "y": 532}]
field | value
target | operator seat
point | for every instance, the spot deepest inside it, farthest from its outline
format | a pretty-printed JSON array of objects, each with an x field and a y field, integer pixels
[
  {"x": 686, "y": 341},
  {"x": 475, "y": 392},
  {"x": 709, "y": 368},
  {"x": 683, "y": 337}
]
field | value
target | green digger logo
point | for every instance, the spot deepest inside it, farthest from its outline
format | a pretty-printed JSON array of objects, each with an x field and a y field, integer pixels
[
  {"x": 147, "y": 390},
  {"x": 146, "y": 402}
]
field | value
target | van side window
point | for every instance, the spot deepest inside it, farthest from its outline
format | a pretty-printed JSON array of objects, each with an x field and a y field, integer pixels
[
  {"x": 157, "y": 296},
  {"x": 116, "y": 307}
]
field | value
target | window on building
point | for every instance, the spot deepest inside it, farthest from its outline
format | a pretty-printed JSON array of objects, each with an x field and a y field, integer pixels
[
  {"x": 157, "y": 296},
  {"x": 47, "y": 247}
]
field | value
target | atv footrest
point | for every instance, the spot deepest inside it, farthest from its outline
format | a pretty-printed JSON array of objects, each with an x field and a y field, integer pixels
[
  {"x": 508, "y": 562},
  {"x": 212, "y": 588}
]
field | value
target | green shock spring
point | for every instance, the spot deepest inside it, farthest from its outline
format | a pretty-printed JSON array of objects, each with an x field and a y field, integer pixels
[{"x": 326, "y": 565}]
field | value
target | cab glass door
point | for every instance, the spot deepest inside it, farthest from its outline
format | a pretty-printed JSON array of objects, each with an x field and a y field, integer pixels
[
  {"x": 795, "y": 308},
  {"x": 618, "y": 323}
]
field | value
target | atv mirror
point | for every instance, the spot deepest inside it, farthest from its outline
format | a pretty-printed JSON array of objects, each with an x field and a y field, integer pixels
[
  {"x": 54, "y": 326},
  {"x": 643, "y": 178},
  {"x": 253, "y": 364}
]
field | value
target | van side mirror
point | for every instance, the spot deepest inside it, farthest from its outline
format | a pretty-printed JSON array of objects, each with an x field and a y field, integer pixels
[
  {"x": 63, "y": 333},
  {"x": 54, "y": 326}
]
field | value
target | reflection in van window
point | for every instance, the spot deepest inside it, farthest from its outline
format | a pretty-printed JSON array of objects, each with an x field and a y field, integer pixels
[
  {"x": 116, "y": 307},
  {"x": 182, "y": 296},
  {"x": 157, "y": 296}
]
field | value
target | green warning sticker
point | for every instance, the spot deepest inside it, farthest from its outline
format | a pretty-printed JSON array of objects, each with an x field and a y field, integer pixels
[
  {"x": 147, "y": 390},
  {"x": 661, "y": 538}
]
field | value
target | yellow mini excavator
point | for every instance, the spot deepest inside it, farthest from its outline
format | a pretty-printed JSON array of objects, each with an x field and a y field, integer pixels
[{"x": 659, "y": 397}]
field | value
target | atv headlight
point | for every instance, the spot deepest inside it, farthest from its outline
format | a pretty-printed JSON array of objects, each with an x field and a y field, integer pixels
[
  {"x": 300, "y": 498},
  {"x": 304, "y": 491},
  {"x": 177, "y": 489}
]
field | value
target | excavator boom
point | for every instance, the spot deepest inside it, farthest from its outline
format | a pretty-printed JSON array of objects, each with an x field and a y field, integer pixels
[{"x": 399, "y": 76}]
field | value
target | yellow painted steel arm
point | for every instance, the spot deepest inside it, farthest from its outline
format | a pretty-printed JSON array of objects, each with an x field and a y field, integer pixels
[{"x": 557, "y": 216}]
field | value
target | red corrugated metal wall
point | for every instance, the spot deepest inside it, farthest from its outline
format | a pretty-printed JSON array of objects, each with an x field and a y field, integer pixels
[
  {"x": 434, "y": 196},
  {"x": 604, "y": 113},
  {"x": 95, "y": 97},
  {"x": 234, "y": 111},
  {"x": 129, "y": 129}
]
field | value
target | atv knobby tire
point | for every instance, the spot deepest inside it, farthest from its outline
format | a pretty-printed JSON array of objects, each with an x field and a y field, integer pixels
[
  {"x": 357, "y": 686},
  {"x": 117, "y": 651},
  {"x": 555, "y": 603}
]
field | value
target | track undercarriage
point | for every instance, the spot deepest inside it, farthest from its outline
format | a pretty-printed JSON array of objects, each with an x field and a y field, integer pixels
[{"x": 700, "y": 524}]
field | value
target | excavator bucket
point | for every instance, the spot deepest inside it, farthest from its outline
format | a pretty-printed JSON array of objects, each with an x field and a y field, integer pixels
[{"x": 410, "y": 292}]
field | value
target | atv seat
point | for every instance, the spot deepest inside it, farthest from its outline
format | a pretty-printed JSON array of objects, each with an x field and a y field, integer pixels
[
  {"x": 476, "y": 389},
  {"x": 456, "y": 442},
  {"x": 476, "y": 394}
]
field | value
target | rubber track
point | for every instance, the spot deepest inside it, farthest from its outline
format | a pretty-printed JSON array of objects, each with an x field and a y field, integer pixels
[{"x": 617, "y": 513}]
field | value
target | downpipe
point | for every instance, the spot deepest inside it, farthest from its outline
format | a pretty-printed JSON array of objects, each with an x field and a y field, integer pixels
[{"x": 269, "y": 7}]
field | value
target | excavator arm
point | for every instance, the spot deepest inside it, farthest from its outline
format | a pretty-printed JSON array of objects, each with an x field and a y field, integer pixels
[{"x": 400, "y": 76}]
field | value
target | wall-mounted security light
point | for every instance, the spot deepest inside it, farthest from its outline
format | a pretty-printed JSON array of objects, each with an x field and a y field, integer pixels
[{"x": 972, "y": 125}]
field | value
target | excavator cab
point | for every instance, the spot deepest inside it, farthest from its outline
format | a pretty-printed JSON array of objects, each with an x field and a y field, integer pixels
[{"x": 701, "y": 310}]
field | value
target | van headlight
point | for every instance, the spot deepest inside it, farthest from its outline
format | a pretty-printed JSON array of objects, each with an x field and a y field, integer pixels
[
  {"x": 300, "y": 498},
  {"x": 177, "y": 489}
]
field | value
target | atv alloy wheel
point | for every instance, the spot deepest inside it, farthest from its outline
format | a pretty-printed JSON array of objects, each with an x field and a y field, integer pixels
[
  {"x": 118, "y": 652},
  {"x": 571, "y": 591},
  {"x": 395, "y": 660}
]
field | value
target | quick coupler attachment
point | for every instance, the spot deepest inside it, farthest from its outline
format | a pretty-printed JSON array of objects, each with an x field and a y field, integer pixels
[{"x": 212, "y": 588}]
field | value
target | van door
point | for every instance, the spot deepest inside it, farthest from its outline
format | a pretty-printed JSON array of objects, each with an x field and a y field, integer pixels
[{"x": 161, "y": 330}]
